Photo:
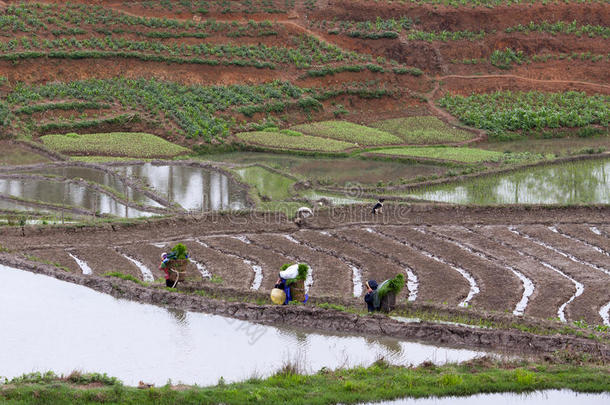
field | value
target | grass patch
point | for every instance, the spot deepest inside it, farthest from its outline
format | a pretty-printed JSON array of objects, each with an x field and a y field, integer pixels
[
  {"x": 423, "y": 130},
  {"x": 466, "y": 155},
  {"x": 378, "y": 382},
  {"x": 123, "y": 276},
  {"x": 285, "y": 141},
  {"x": 350, "y": 132},
  {"x": 127, "y": 144}
]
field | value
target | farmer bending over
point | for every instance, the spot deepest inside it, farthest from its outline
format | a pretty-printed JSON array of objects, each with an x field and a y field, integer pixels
[{"x": 371, "y": 298}]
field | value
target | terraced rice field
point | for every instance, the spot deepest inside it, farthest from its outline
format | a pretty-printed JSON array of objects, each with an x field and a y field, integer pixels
[{"x": 551, "y": 271}]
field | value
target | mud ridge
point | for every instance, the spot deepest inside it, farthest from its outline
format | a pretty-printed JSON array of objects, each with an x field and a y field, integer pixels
[
  {"x": 355, "y": 267},
  {"x": 579, "y": 287},
  {"x": 325, "y": 320},
  {"x": 257, "y": 278},
  {"x": 584, "y": 242},
  {"x": 528, "y": 285},
  {"x": 409, "y": 270},
  {"x": 474, "y": 289}
]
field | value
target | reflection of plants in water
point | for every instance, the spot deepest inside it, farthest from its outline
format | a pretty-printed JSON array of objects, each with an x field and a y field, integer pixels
[
  {"x": 569, "y": 183},
  {"x": 391, "y": 345},
  {"x": 179, "y": 315}
]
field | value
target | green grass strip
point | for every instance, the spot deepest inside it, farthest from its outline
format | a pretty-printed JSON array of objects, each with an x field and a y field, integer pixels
[
  {"x": 356, "y": 385},
  {"x": 127, "y": 144},
  {"x": 350, "y": 132},
  {"x": 423, "y": 130},
  {"x": 292, "y": 141},
  {"x": 466, "y": 155}
]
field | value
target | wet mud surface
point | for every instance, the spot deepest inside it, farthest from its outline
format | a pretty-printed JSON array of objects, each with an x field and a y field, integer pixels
[
  {"x": 563, "y": 252},
  {"x": 322, "y": 319}
]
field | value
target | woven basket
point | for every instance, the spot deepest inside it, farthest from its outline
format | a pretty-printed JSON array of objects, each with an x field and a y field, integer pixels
[
  {"x": 388, "y": 302},
  {"x": 177, "y": 269},
  {"x": 297, "y": 290}
]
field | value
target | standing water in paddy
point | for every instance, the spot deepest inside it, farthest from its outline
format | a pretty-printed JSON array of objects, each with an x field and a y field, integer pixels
[
  {"x": 63, "y": 327},
  {"x": 569, "y": 183},
  {"x": 193, "y": 188}
]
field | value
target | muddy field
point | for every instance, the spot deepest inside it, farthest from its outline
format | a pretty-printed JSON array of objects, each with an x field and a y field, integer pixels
[{"x": 540, "y": 262}]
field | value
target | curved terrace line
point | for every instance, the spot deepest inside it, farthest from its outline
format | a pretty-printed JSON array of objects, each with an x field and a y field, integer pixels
[
  {"x": 146, "y": 273},
  {"x": 309, "y": 279},
  {"x": 82, "y": 264},
  {"x": 604, "y": 312},
  {"x": 356, "y": 272},
  {"x": 256, "y": 268},
  {"x": 579, "y": 286},
  {"x": 205, "y": 273},
  {"x": 474, "y": 288},
  {"x": 528, "y": 285},
  {"x": 412, "y": 281},
  {"x": 584, "y": 242}
]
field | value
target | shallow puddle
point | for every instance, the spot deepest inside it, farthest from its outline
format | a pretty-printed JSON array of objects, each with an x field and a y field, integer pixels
[
  {"x": 549, "y": 397},
  {"x": 54, "y": 325},
  {"x": 568, "y": 183},
  {"x": 194, "y": 188}
]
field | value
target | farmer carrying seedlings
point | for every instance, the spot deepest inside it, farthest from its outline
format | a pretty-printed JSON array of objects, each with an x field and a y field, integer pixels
[
  {"x": 371, "y": 298},
  {"x": 382, "y": 297},
  {"x": 174, "y": 265},
  {"x": 291, "y": 281}
]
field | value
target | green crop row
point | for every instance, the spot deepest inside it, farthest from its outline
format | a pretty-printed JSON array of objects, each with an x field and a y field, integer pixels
[
  {"x": 73, "y": 18},
  {"x": 465, "y": 155},
  {"x": 75, "y": 125},
  {"x": 349, "y": 132},
  {"x": 562, "y": 27},
  {"x": 131, "y": 144},
  {"x": 489, "y": 3},
  {"x": 423, "y": 130},
  {"x": 196, "y": 111},
  {"x": 309, "y": 50},
  {"x": 508, "y": 111},
  {"x": 222, "y": 6},
  {"x": 507, "y": 58},
  {"x": 283, "y": 140},
  {"x": 391, "y": 28},
  {"x": 78, "y": 106}
]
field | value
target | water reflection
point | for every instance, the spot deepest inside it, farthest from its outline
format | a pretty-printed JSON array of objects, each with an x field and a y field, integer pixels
[
  {"x": 134, "y": 341},
  {"x": 549, "y": 397},
  {"x": 568, "y": 183},
  {"x": 194, "y": 188},
  {"x": 67, "y": 194},
  {"x": 101, "y": 177}
]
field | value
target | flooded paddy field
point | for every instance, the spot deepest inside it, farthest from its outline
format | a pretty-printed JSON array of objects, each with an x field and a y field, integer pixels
[
  {"x": 578, "y": 182},
  {"x": 339, "y": 171},
  {"x": 127, "y": 191},
  {"x": 137, "y": 341}
]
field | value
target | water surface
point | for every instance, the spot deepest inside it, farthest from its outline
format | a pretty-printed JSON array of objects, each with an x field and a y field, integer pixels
[
  {"x": 54, "y": 325},
  {"x": 581, "y": 182},
  {"x": 193, "y": 188},
  {"x": 335, "y": 170},
  {"x": 101, "y": 177},
  {"x": 548, "y": 397},
  {"x": 67, "y": 194}
]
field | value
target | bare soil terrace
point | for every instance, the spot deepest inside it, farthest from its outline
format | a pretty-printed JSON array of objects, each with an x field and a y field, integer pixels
[{"x": 552, "y": 247}]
